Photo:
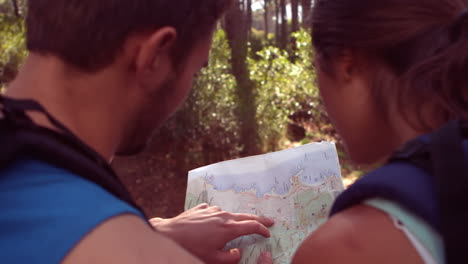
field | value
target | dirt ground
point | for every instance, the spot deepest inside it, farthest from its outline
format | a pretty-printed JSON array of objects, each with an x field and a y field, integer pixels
[{"x": 160, "y": 194}]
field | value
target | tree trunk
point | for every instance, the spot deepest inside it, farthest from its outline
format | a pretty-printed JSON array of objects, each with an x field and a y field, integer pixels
[
  {"x": 306, "y": 7},
  {"x": 277, "y": 24},
  {"x": 15, "y": 8},
  {"x": 265, "y": 17},
  {"x": 236, "y": 29},
  {"x": 295, "y": 15},
  {"x": 249, "y": 19},
  {"x": 284, "y": 25}
]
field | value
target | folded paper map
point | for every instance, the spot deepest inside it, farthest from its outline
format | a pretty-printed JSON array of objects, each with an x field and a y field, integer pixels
[{"x": 295, "y": 187}]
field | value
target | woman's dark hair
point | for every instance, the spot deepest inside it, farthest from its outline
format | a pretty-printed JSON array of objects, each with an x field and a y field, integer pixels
[{"x": 423, "y": 43}]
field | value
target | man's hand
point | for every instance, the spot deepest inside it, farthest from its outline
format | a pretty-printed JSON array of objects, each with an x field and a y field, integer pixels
[{"x": 204, "y": 231}]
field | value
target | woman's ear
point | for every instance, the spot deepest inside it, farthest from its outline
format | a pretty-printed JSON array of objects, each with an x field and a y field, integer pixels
[{"x": 346, "y": 66}]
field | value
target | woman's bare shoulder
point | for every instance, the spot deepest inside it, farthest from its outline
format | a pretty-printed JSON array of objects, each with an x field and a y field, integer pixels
[{"x": 361, "y": 235}]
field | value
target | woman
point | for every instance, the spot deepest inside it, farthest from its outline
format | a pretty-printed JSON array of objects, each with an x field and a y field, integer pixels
[{"x": 389, "y": 71}]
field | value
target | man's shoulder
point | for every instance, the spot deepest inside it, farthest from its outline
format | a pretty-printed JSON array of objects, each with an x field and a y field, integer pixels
[
  {"x": 47, "y": 210},
  {"x": 127, "y": 239}
]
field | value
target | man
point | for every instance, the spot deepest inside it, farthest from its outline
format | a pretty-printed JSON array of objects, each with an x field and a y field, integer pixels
[{"x": 110, "y": 71}]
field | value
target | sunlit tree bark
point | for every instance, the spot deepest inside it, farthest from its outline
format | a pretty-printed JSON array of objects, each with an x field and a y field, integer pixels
[{"x": 236, "y": 29}]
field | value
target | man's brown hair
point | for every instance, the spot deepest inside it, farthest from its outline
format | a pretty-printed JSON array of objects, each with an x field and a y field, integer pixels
[
  {"x": 88, "y": 34},
  {"x": 423, "y": 43}
]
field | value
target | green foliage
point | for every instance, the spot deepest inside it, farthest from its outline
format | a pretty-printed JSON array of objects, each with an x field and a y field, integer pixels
[
  {"x": 213, "y": 101},
  {"x": 207, "y": 124},
  {"x": 213, "y": 97},
  {"x": 283, "y": 87},
  {"x": 12, "y": 46}
]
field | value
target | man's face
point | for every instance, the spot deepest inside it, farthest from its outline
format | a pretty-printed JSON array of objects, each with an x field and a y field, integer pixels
[{"x": 157, "y": 107}]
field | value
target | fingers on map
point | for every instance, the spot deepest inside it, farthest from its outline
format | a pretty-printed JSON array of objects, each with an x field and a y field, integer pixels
[{"x": 295, "y": 187}]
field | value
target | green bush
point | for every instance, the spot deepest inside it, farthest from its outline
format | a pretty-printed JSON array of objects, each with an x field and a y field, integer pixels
[
  {"x": 284, "y": 87},
  {"x": 207, "y": 123},
  {"x": 205, "y": 129},
  {"x": 12, "y": 47}
]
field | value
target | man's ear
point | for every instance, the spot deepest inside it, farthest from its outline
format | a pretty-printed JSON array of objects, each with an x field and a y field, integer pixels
[{"x": 153, "y": 55}]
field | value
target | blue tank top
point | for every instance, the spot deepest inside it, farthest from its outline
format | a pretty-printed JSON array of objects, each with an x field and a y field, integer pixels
[{"x": 45, "y": 211}]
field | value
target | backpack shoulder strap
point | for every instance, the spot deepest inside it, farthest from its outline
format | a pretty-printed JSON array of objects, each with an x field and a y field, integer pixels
[
  {"x": 400, "y": 182},
  {"x": 450, "y": 173},
  {"x": 20, "y": 137}
]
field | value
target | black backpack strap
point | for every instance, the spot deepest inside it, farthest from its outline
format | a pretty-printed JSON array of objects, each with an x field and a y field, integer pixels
[
  {"x": 451, "y": 181},
  {"x": 417, "y": 152},
  {"x": 399, "y": 182},
  {"x": 15, "y": 112},
  {"x": 21, "y": 137}
]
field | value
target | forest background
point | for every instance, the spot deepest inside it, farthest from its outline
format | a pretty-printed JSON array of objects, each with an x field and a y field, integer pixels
[{"x": 258, "y": 95}]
